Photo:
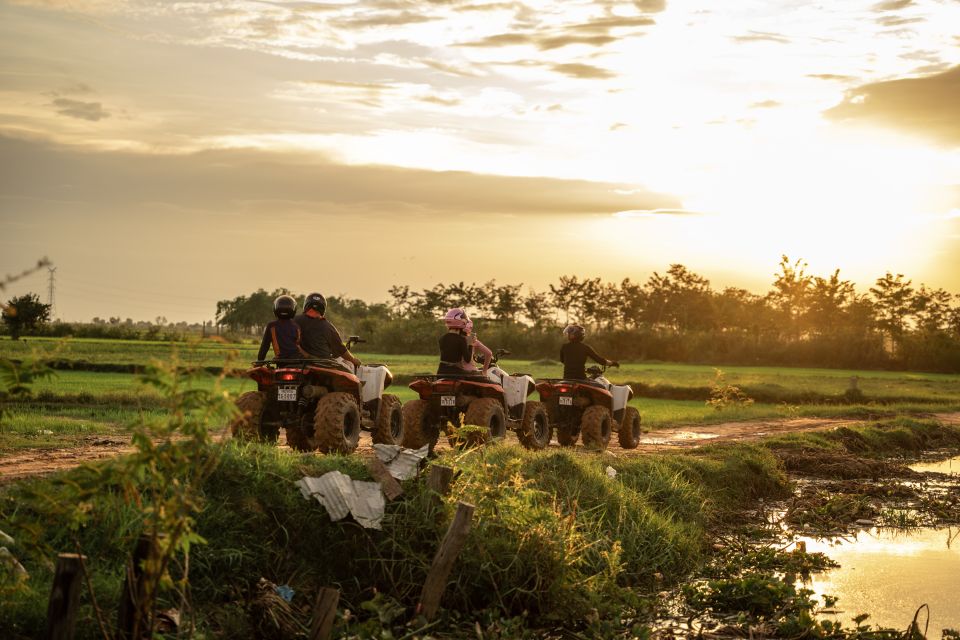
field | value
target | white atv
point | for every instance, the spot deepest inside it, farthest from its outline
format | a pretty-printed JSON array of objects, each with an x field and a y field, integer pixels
[
  {"x": 594, "y": 408},
  {"x": 495, "y": 401}
]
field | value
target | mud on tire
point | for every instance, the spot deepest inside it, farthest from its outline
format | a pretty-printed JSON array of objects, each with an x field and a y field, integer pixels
[
  {"x": 246, "y": 426},
  {"x": 487, "y": 412},
  {"x": 298, "y": 440},
  {"x": 629, "y": 433},
  {"x": 595, "y": 427},
  {"x": 418, "y": 427},
  {"x": 389, "y": 427},
  {"x": 336, "y": 423},
  {"x": 536, "y": 428}
]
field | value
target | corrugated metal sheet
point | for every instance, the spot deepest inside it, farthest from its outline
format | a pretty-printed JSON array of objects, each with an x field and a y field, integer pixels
[
  {"x": 341, "y": 495},
  {"x": 401, "y": 463}
]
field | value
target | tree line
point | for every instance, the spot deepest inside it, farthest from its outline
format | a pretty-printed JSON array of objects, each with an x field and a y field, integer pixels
[{"x": 674, "y": 316}]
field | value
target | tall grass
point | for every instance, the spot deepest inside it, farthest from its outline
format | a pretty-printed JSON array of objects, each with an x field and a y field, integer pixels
[{"x": 554, "y": 537}]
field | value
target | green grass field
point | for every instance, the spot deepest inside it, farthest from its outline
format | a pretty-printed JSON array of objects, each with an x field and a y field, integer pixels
[
  {"x": 876, "y": 385},
  {"x": 75, "y": 404}
]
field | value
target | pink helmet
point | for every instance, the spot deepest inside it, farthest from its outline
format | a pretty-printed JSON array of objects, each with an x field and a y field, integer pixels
[{"x": 456, "y": 319}]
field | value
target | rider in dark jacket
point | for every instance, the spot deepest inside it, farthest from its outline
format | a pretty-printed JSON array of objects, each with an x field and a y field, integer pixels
[
  {"x": 318, "y": 337},
  {"x": 282, "y": 334},
  {"x": 575, "y": 352}
]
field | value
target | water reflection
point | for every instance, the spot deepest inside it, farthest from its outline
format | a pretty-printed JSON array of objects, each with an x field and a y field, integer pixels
[
  {"x": 950, "y": 466},
  {"x": 890, "y": 574}
]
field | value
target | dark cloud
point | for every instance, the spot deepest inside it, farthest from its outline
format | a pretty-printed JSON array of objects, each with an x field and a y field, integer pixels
[
  {"x": 540, "y": 41},
  {"x": 892, "y": 5},
  {"x": 583, "y": 71},
  {"x": 896, "y": 21},
  {"x": 831, "y": 76},
  {"x": 595, "y": 32},
  {"x": 927, "y": 105},
  {"x": 226, "y": 180},
  {"x": 762, "y": 36},
  {"x": 92, "y": 111},
  {"x": 75, "y": 89},
  {"x": 612, "y": 22},
  {"x": 443, "y": 102},
  {"x": 650, "y": 6},
  {"x": 765, "y": 104}
]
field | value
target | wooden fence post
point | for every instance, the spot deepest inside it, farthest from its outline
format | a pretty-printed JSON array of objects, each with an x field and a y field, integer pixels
[
  {"x": 440, "y": 479},
  {"x": 324, "y": 613},
  {"x": 64, "y": 595},
  {"x": 136, "y": 600},
  {"x": 453, "y": 541}
]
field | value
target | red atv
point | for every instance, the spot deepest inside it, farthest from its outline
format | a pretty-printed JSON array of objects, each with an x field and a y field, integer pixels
[
  {"x": 593, "y": 407},
  {"x": 320, "y": 402},
  {"x": 493, "y": 401}
]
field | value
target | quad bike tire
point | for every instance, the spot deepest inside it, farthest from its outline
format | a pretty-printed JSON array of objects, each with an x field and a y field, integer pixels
[
  {"x": 566, "y": 437},
  {"x": 336, "y": 423},
  {"x": 487, "y": 412},
  {"x": 565, "y": 433},
  {"x": 418, "y": 427},
  {"x": 629, "y": 433},
  {"x": 535, "y": 430},
  {"x": 596, "y": 426},
  {"x": 246, "y": 426},
  {"x": 389, "y": 426},
  {"x": 298, "y": 439}
]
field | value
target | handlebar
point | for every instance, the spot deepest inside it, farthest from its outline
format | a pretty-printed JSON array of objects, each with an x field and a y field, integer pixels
[
  {"x": 596, "y": 371},
  {"x": 352, "y": 340}
]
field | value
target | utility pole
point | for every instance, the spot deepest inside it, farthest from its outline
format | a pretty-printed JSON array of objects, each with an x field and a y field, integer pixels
[{"x": 51, "y": 288}]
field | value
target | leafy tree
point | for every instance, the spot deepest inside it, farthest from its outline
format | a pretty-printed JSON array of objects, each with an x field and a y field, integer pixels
[
  {"x": 791, "y": 292},
  {"x": 536, "y": 308},
  {"x": 827, "y": 298},
  {"x": 932, "y": 309},
  {"x": 248, "y": 313},
  {"x": 25, "y": 313},
  {"x": 894, "y": 302}
]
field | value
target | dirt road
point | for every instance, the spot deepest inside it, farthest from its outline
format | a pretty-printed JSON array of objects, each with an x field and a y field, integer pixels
[{"x": 39, "y": 462}]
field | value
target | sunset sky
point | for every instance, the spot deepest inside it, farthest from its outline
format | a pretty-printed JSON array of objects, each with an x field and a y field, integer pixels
[{"x": 165, "y": 155}]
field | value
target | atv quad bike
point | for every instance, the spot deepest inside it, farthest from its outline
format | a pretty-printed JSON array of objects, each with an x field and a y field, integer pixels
[
  {"x": 593, "y": 408},
  {"x": 497, "y": 401},
  {"x": 322, "y": 403}
]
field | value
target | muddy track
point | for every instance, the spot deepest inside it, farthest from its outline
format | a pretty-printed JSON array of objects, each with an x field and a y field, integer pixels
[{"x": 39, "y": 462}]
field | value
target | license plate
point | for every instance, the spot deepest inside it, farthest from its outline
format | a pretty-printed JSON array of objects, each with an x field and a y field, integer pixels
[
  {"x": 448, "y": 401},
  {"x": 287, "y": 394},
  {"x": 566, "y": 400}
]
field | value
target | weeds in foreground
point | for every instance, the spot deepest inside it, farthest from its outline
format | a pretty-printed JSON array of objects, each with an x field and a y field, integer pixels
[{"x": 724, "y": 395}]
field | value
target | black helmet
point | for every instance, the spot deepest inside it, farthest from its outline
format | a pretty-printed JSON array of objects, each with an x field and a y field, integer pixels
[
  {"x": 574, "y": 331},
  {"x": 315, "y": 301},
  {"x": 284, "y": 307}
]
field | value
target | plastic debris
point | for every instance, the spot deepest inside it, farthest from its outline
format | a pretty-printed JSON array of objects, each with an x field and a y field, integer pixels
[
  {"x": 400, "y": 462},
  {"x": 341, "y": 495},
  {"x": 285, "y": 591},
  {"x": 611, "y": 472}
]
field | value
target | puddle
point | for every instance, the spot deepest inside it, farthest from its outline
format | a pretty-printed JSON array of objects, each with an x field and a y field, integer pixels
[
  {"x": 950, "y": 466},
  {"x": 890, "y": 574},
  {"x": 678, "y": 437}
]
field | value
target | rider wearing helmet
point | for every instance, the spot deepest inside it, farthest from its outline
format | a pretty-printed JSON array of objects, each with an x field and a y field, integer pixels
[
  {"x": 283, "y": 333},
  {"x": 319, "y": 338},
  {"x": 575, "y": 352},
  {"x": 456, "y": 345}
]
